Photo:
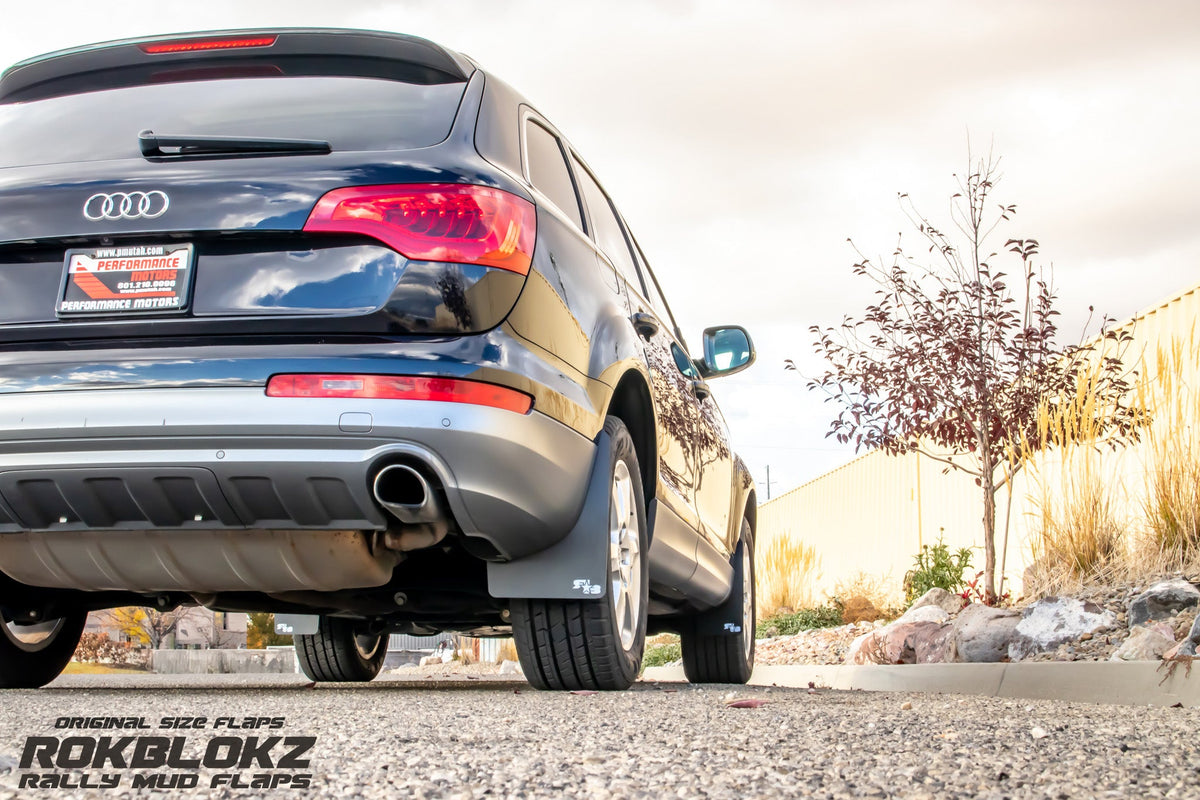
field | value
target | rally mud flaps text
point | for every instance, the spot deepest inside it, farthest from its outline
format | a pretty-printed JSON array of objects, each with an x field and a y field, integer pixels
[{"x": 248, "y": 754}]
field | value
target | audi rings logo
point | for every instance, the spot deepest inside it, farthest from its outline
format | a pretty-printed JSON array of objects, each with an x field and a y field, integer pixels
[{"x": 126, "y": 205}]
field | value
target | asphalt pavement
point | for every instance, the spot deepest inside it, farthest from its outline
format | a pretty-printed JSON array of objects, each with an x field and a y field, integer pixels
[{"x": 499, "y": 738}]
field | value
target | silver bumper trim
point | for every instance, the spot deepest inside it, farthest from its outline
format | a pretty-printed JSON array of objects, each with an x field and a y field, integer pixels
[{"x": 233, "y": 458}]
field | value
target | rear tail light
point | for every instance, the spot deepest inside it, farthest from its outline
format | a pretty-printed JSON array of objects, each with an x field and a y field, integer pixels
[
  {"x": 198, "y": 45},
  {"x": 400, "y": 387},
  {"x": 435, "y": 222}
]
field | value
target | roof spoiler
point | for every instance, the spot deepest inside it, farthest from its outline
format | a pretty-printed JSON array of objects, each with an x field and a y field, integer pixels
[{"x": 82, "y": 68}]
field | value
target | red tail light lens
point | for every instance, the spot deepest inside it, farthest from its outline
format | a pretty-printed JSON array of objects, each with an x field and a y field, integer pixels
[
  {"x": 197, "y": 45},
  {"x": 400, "y": 387},
  {"x": 435, "y": 222}
]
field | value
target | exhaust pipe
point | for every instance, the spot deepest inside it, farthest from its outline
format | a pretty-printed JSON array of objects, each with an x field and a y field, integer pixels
[{"x": 408, "y": 497}]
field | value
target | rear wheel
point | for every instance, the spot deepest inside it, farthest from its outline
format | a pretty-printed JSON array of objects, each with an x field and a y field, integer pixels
[
  {"x": 341, "y": 651},
  {"x": 33, "y": 655},
  {"x": 598, "y": 644},
  {"x": 718, "y": 646}
]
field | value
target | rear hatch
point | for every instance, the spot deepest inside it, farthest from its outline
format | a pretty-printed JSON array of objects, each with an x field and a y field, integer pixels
[{"x": 168, "y": 187}]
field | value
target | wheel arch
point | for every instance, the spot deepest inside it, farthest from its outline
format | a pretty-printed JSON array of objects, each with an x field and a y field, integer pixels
[
  {"x": 745, "y": 501},
  {"x": 631, "y": 403}
]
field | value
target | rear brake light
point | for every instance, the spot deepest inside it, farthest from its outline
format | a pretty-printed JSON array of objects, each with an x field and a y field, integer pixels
[
  {"x": 196, "y": 45},
  {"x": 400, "y": 387},
  {"x": 435, "y": 222}
]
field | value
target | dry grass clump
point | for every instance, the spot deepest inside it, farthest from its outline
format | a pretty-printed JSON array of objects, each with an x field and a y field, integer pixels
[
  {"x": 785, "y": 570},
  {"x": 1082, "y": 533},
  {"x": 1105, "y": 516},
  {"x": 1172, "y": 449},
  {"x": 467, "y": 651},
  {"x": 508, "y": 651},
  {"x": 1081, "y": 503}
]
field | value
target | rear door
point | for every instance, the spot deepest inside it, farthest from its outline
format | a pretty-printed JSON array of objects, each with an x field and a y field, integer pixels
[
  {"x": 675, "y": 409},
  {"x": 712, "y": 457}
]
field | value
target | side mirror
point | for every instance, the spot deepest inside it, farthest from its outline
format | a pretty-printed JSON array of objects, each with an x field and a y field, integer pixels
[{"x": 727, "y": 349}]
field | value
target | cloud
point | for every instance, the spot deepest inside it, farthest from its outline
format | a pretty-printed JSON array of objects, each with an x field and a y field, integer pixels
[{"x": 744, "y": 143}]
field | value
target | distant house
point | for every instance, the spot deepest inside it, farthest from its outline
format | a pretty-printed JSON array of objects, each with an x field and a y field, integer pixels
[
  {"x": 199, "y": 629},
  {"x": 204, "y": 629}
]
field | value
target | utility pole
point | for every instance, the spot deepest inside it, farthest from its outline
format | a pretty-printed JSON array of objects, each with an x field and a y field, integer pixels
[{"x": 768, "y": 482}]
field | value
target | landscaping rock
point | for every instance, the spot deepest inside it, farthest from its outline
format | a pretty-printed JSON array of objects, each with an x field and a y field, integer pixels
[
  {"x": 925, "y": 614},
  {"x": 510, "y": 668},
  {"x": 929, "y": 643},
  {"x": 1182, "y": 624},
  {"x": 904, "y": 643},
  {"x": 1053, "y": 621},
  {"x": 982, "y": 634},
  {"x": 947, "y": 601},
  {"x": 882, "y": 646},
  {"x": 1166, "y": 630},
  {"x": 868, "y": 648},
  {"x": 1188, "y": 646},
  {"x": 859, "y": 609},
  {"x": 894, "y": 638},
  {"x": 1163, "y": 601},
  {"x": 1143, "y": 644}
]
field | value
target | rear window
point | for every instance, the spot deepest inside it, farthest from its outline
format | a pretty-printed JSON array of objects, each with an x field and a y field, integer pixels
[{"x": 350, "y": 113}]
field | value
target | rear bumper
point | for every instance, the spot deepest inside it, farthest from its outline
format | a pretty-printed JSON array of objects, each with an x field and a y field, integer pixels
[{"x": 233, "y": 458}]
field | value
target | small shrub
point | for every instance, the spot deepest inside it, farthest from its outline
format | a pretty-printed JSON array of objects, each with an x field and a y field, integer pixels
[
  {"x": 879, "y": 590},
  {"x": 804, "y": 619},
  {"x": 936, "y": 567},
  {"x": 661, "y": 655},
  {"x": 859, "y": 609},
  {"x": 98, "y": 648},
  {"x": 260, "y": 631},
  {"x": 973, "y": 593}
]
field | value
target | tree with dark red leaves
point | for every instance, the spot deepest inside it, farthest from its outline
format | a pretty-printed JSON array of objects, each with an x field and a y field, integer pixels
[{"x": 955, "y": 360}]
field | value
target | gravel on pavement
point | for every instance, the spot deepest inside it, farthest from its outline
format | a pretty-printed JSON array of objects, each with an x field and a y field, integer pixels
[{"x": 490, "y": 737}]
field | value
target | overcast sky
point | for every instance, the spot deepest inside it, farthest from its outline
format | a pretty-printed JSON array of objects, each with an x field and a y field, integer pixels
[{"x": 745, "y": 142}]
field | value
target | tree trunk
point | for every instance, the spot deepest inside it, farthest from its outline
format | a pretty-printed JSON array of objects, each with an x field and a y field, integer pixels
[{"x": 989, "y": 537}]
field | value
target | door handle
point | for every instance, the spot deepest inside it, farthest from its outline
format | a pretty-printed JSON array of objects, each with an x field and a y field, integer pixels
[
  {"x": 645, "y": 324},
  {"x": 701, "y": 390}
]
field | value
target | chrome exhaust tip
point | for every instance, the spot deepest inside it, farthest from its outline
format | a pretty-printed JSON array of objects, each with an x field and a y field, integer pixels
[{"x": 406, "y": 495}]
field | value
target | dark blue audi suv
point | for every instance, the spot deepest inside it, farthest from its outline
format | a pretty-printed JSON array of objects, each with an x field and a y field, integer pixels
[{"x": 335, "y": 324}]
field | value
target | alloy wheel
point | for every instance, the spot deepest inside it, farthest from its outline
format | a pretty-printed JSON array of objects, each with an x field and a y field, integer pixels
[{"x": 625, "y": 571}]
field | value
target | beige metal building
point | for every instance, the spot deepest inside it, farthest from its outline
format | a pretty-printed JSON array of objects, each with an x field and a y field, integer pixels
[{"x": 872, "y": 515}]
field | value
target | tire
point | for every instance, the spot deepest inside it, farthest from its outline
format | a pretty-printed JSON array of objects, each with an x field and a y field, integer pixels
[
  {"x": 598, "y": 644},
  {"x": 33, "y": 655},
  {"x": 710, "y": 657},
  {"x": 338, "y": 652}
]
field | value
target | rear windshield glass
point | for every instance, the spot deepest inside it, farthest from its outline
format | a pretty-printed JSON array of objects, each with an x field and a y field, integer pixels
[{"x": 348, "y": 112}]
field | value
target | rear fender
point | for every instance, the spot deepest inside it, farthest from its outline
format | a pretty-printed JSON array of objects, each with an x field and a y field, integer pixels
[
  {"x": 577, "y": 567},
  {"x": 743, "y": 503},
  {"x": 615, "y": 349}
]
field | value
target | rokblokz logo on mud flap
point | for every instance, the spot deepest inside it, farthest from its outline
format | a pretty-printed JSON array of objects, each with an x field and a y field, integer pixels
[{"x": 133, "y": 757}]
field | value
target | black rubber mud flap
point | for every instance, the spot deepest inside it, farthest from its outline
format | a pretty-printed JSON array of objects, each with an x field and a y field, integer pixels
[
  {"x": 577, "y": 567},
  {"x": 716, "y": 647}
]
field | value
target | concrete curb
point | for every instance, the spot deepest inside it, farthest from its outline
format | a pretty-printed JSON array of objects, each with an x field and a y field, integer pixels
[{"x": 1116, "y": 682}]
